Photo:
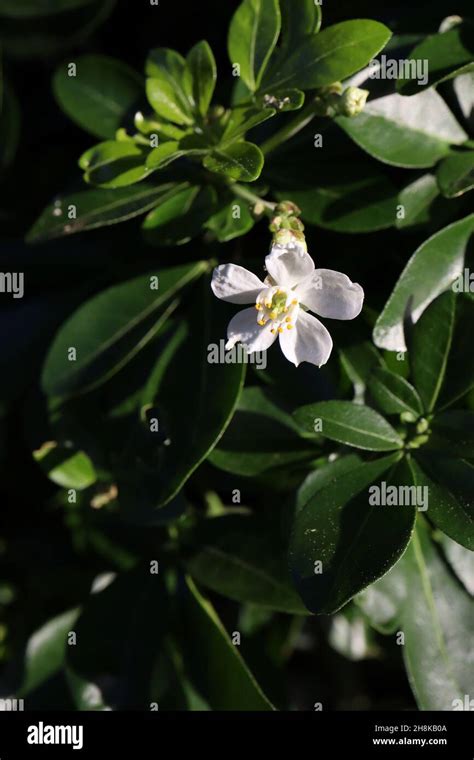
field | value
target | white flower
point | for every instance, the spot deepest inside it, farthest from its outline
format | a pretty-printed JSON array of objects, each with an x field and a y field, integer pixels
[{"x": 292, "y": 287}]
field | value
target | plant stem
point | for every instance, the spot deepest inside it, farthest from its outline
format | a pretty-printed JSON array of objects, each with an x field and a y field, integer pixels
[
  {"x": 292, "y": 128},
  {"x": 243, "y": 192}
]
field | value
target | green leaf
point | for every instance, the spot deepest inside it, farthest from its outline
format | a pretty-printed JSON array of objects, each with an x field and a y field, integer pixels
[
  {"x": 169, "y": 67},
  {"x": 393, "y": 394},
  {"x": 209, "y": 652},
  {"x": 253, "y": 34},
  {"x": 452, "y": 433},
  {"x": 333, "y": 54},
  {"x": 417, "y": 199},
  {"x": 445, "y": 55},
  {"x": 163, "y": 155},
  {"x": 240, "y": 161},
  {"x": 350, "y": 199},
  {"x": 299, "y": 20},
  {"x": 46, "y": 651},
  {"x": 100, "y": 96},
  {"x": 114, "y": 164},
  {"x": 187, "y": 431},
  {"x": 202, "y": 67},
  {"x": 66, "y": 468},
  {"x": 164, "y": 99},
  {"x": 260, "y": 437},
  {"x": 231, "y": 221},
  {"x": 358, "y": 360},
  {"x": 132, "y": 614},
  {"x": 340, "y": 541},
  {"x": 437, "y": 648},
  {"x": 98, "y": 208},
  {"x": 432, "y": 337},
  {"x": 181, "y": 217},
  {"x": 242, "y": 119},
  {"x": 461, "y": 560},
  {"x": 408, "y": 132},
  {"x": 110, "y": 328},
  {"x": 459, "y": 378},
  {"x": 244, "y": 559},
  {"x": 430, "y": 271},
  {"x": 455, "y": 174},
  {"x": 451, "y": 488},
  {"x": 285, "y": 99},
  {"x": 348, "y": 423}
]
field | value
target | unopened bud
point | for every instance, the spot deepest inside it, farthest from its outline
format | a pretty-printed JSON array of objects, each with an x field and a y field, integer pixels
[{"x": 352, "y": 101}]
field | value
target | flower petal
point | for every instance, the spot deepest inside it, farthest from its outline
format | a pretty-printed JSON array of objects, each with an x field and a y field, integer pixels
[
  {"x": 235, "y": 284},
  {"x": 290, "y": 264},
  {"x": 331, "y": 294},
  {"x": 243, "y": 328},
  {"x": 309, "y": 341}
]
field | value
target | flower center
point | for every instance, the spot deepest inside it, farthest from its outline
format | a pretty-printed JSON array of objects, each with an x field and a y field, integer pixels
[{"x": 278, "y": 306}]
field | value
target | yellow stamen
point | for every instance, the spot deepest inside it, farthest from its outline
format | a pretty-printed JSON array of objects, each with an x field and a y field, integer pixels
[
  {"x": 258, "y": 306},
  {"x": 273, "y": 315},
  {"x": 280, "y": 329},
  {"x": 287, "y": 319},
  {"x": 289, "y": 327},
  {"x": 261, "y": 322},
  {"x": 294, "y": 302},
  {"x": 273, "y": 331}
]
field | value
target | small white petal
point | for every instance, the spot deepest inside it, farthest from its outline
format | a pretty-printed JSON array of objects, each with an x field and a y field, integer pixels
[
  {"x": 243, "y": 328},
  {"x": 331, "y": 294},
  {"x": 235, "y": 284},
  {"x": 289, "y": 265},
  {"x": 309, "y": 341}
]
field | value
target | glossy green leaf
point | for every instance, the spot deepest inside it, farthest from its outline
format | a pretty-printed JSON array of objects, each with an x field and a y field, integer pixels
[
  {"x": 213, "y": 663},
  {"x": 110, "y": 328},
  {"x": 348, "y": 423},
  {"x": 299, "y": 19},
  {"x": 341, "y": 542},
  {"x": 165, "y": 101},
  {"x": 181, "y": 217},
  {"x": 253, "y": 34},
  {"x": 408, "y": 132},
  {"x": 169, "y": 67},
  {"x": 358, "y": 360},
  {"x": 66, "y": 468},
  {"x": 113, "y": 164},
  {"x": 333, "y": 54},
  {"x": 446, "y": 55},
  {"x": 284, "y": 99},
  {"x": 437, "y": 648},
  {"x": 430, "y": 271},
  {"x": 163, "y": 155},
  {"x": 260, "y": 437},
  {"x": 98, "y": 208},
  {"x": 231, "y": 221},
  {"x": 459, "y": 377},
  {"x": 359, "y": 199},
  {"x": 450, "y": 506},
  {"x": 45, "y": 651},
  {"x": 242, "y": 119},
  {"x": 101, "y": 94},
  {"x": 417, "y": 199},
  {"x": 393, "y": 394},
  {"x": 455, "y": 174},
  {"x": 432, "y": 337},
  {"x": 239, "y": 161},
  {"x": 187, "y": 432},
  {"x": 202, "y": 67},
  {"x": 244, "y": 559}
]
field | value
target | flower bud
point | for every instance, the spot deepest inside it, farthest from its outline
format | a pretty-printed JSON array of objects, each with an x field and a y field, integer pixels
[{"x": 352, "y": 101}]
